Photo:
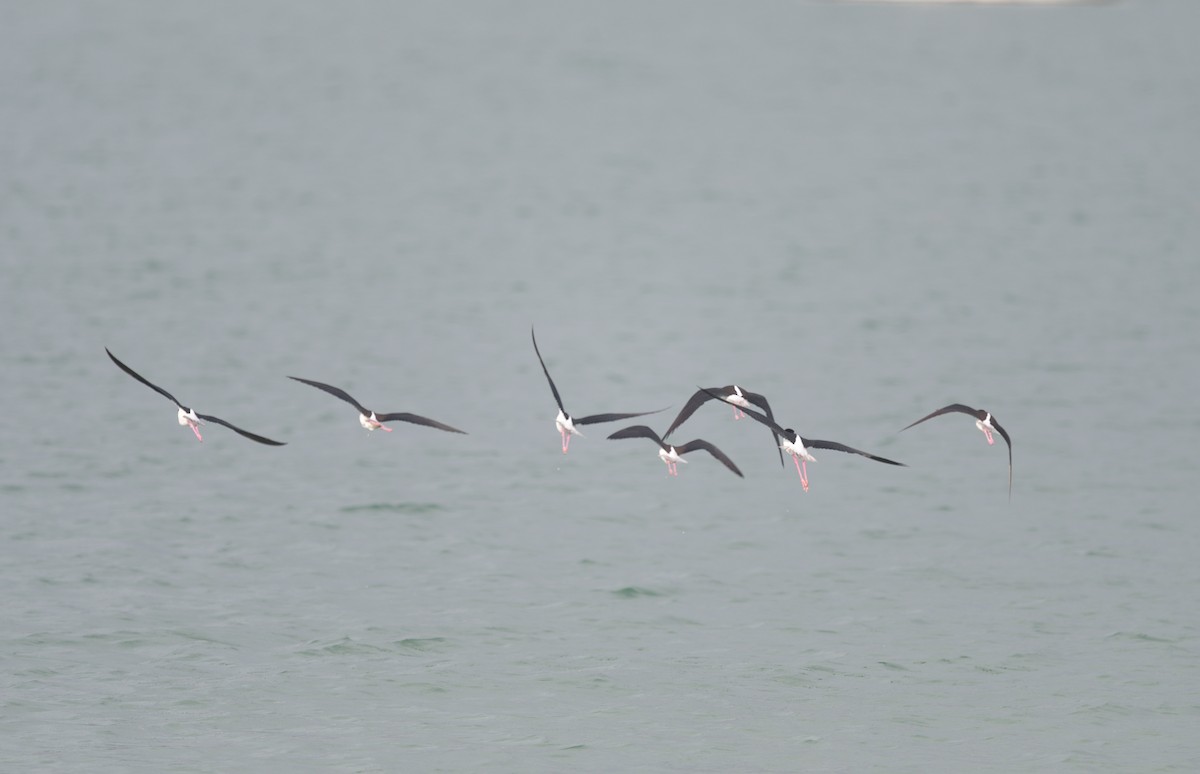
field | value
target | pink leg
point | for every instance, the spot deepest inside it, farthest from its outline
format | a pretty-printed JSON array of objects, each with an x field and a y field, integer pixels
[
  {"x": 195, "y": 430},
  {"x": 385, "y": 428},
  {"x": 674, "y": 468},
  {"x": 988, "y": 433},
  {"x": 802, "y": 469},
  {"x": 566, "y": 439},
  {"x": 738, "y": 413}
]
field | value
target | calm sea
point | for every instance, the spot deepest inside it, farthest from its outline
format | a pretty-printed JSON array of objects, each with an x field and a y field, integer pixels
[{"x": 864, "y": 212}]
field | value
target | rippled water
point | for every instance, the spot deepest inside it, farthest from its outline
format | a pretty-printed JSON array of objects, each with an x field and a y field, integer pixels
[{"x": 863, "y": 212}]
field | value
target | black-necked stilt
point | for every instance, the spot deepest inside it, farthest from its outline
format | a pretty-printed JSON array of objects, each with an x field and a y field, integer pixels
[
  {"x": 372, "y": 421},
  {"x": 564, "y": 422},
  {"x": 732, "y": 394},
  {"x": 984, "y": 421},
  {"x": 671, "y": 454},
  {"x": 798, "y": 447},
  {"x": 189, "y": 416}
]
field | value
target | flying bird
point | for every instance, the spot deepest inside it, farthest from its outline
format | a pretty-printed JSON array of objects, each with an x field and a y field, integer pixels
[
  {"x": 984, "y": 421},
  {"x": 564, "y": 422},
  {"x": 732, "y": 394},
  {"x": 372, "y": 421},
  {"x": 798, "y": 447},
  {"x": 189, "y": 416},
  {"x": 673, "y": 455}
]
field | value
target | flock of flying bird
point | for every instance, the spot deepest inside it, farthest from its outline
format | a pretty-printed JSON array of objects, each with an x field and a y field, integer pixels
[{"x": 785, "y": 438}]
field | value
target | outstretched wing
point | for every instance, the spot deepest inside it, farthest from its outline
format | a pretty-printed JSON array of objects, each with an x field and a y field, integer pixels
[
  {"x": 700, "y": 443},
  {"x": 761, "y": 402},
  {"x": 240, "y": 431},
  {"x": 1004, "y": 434},
  {"x": 953, "y": 408},
  {"x": 416, "y": 419},
  {"x": 335, "y": 391},
  {"x": 698, "y": 399},
  {"x": 596, "y": 419},
  {"x": 637, "y": 431},
  {"x": 143, "y": 380},
  {"x": 553, "y": 389},
  {"x": 835, "y": 446}
]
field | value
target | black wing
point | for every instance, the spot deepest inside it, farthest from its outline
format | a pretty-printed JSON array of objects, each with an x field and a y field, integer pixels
[
  {"x": 143, "y": 380},
  {"x": 335, "y": 391},
  {"x": 698, "y": 399},
  {"x": 1004, "y": 434},
  {"x": 835, "y": 446},
  {"x": 416, "y": 419},
  {"x": 953, "y": 408},
  {"x": 761, "y": 402},
  {"x": 700, "y": 443},
  {"x": 637, "y": 431},
  {"x": 553, "y": 389},
  {"x": 596, "y": 419},
  {"x": 753, "y": 397},
  {"x": 240, "y": 431}
]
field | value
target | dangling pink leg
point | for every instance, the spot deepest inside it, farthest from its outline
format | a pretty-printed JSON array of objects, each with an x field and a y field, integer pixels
[
  {"x": 566, "y": 439},
  {"x": 804, "y": 475},
  {"x": 195, "y": 430},
  {"x": 737, "y": 412},
  {"x": 385, "y": 428},
  {"x": 988, "y": 433},
  {"x": 674, "y": 468}
]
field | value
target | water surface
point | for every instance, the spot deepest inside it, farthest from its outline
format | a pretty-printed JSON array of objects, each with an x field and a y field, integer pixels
[{"x": 863, "y": 212}]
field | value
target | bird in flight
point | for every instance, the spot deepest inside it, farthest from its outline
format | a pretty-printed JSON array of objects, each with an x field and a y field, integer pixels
[{"x": 188, "y": 416}]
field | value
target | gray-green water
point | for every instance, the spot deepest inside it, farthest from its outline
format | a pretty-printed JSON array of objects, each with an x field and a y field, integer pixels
[{"x": 864, "y": 212}]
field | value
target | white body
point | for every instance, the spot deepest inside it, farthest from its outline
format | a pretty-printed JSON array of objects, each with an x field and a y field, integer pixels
[
  {"x": 190, "y": 420},
  {"x": 369, "y": 423},
  {"x": 797, "y": 449},
  {"x": 670, "y": 457},
  {"x": 737, "y": 399},
  {"x": 985, "y": 426},
  {"x": 563, "y": 424}
]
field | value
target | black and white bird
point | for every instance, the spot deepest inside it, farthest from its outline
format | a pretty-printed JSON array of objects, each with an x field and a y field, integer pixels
[
  {"x": 372, "y": 421},
  {"x": 732, "y": 394},
  {"x": 564, "y": 422},
  {"x": 984, "y": 421},
  {"x": 673, "y": 455},
  {"x": 798, "y": 446},
  {"x": 188, "y": 416}
]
